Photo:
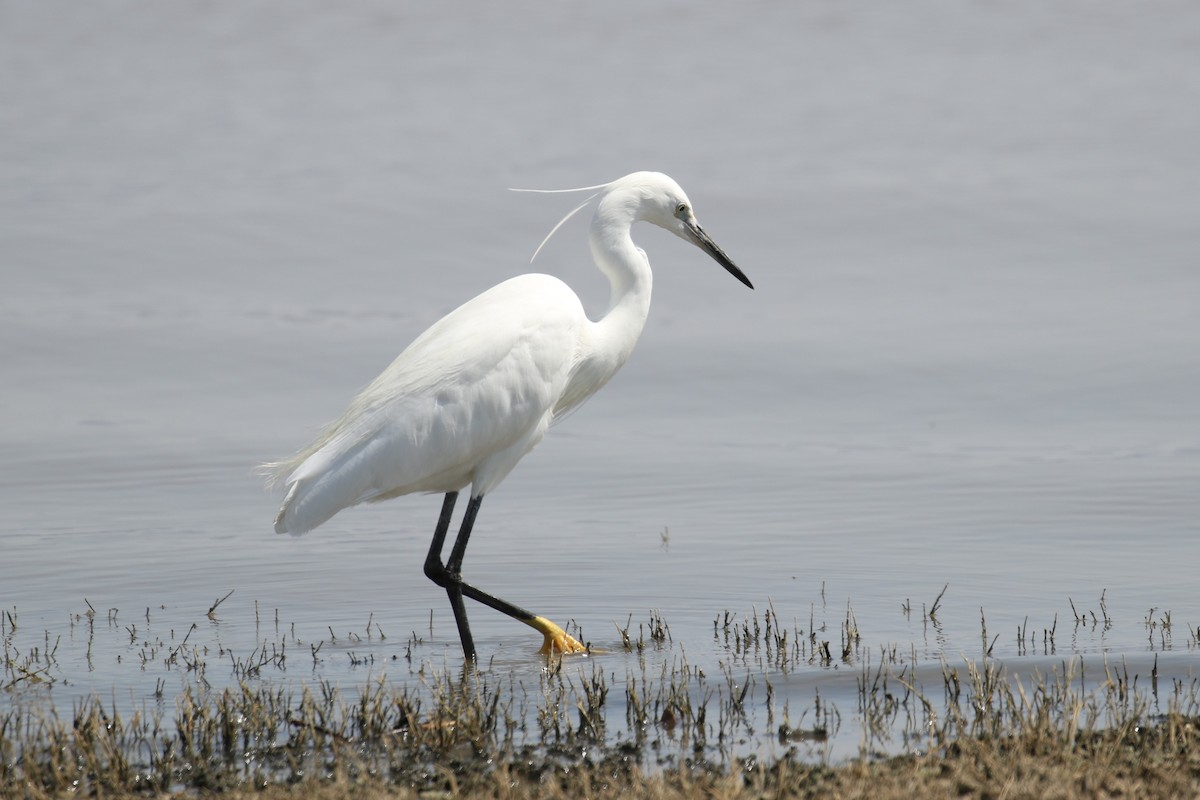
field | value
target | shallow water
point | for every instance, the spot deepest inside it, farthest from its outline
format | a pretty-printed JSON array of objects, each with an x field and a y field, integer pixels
[{"x": 971, "y": 359}]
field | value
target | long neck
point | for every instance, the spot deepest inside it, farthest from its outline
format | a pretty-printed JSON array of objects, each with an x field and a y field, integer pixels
[{"x": 630, "y": 281}]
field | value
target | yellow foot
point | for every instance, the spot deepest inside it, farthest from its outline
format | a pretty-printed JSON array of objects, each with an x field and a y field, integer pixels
[{"x": 557, "y": 641}]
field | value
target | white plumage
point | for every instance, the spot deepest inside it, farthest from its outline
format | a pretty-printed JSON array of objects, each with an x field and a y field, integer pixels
[
  {"x": 459, "y": 406},
  {"x": 480, "y": 388}
]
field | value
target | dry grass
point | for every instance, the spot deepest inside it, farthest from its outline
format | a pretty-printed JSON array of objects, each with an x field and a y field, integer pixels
[
  {"x": 668, "y": 732},
  {"x": 461, "y": 736},
  {"x": 1160, "y": 762}
]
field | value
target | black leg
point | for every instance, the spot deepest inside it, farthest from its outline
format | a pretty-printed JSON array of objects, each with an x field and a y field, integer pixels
[
  {"x": 454, "y": 568},
  {"x": 449, "y": 577},
  {"x": 433, "y": 561},
  {"x": 455, "y": 588},
  {"x": 454, "y": 563}
]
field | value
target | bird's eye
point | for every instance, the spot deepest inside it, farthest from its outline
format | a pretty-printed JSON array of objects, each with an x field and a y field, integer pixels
[{"x": 681, "y": 210}]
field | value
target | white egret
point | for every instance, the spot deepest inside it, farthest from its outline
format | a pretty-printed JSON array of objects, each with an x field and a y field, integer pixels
[{"x": 479, "y": 389}]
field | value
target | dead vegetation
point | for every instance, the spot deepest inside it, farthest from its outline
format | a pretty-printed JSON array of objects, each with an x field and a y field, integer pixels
[{"x": 574, "y": 728}]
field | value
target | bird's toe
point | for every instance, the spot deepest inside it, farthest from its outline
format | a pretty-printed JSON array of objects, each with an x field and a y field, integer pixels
[{"x": 557, "y": 641}]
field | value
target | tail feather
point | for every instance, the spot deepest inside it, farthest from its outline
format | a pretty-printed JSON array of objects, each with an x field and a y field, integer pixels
[
  {"x": 322, "y": 485},
  {"x": 281, "y": 520}
]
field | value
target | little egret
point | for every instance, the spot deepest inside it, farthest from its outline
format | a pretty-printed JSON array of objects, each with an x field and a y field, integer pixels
[{"x": 479, "y": 389}]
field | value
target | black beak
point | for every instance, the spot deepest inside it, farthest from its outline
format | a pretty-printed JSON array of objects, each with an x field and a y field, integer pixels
[{"x": 696, "y": 235}]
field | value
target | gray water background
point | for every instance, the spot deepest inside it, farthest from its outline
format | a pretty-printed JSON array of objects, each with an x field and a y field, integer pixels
[{"x": 972, "y": 357}]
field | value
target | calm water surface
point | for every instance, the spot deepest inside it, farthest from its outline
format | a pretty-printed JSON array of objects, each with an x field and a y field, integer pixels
[{"x": 972, "y": 359}]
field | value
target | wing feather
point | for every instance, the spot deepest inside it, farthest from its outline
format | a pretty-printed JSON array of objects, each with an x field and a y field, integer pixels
[{"x": 480, "y": 380}]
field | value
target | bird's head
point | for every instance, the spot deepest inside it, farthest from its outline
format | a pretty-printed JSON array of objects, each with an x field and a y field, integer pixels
[
  {"x": 658, "y": 199},
  {"x": 653, "y": 197}
]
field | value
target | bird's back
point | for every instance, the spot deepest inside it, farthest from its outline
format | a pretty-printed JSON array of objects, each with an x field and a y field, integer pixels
[{"x": 459, "y": 406}]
